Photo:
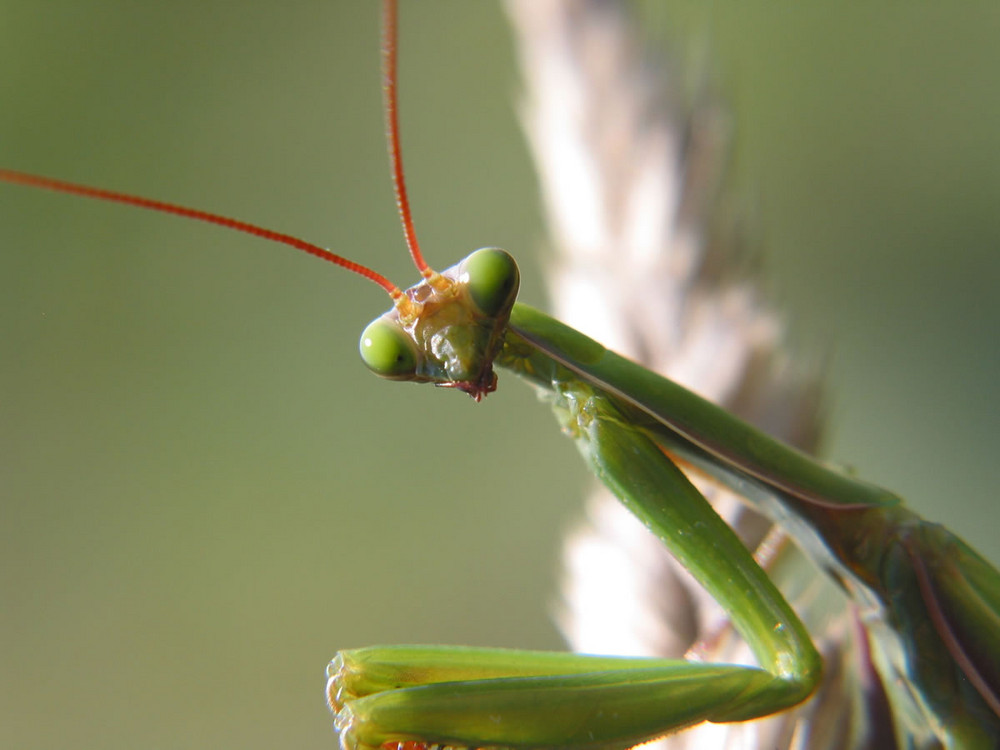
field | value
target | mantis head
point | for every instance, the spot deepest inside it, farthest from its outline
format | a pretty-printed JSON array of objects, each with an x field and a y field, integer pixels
[{"x": 447, "y": 329}]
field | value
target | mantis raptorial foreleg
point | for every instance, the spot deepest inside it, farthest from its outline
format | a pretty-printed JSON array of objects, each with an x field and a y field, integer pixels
[{"x": 599, "y": 703}]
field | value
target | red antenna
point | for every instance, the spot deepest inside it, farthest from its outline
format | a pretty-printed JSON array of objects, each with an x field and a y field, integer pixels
[
  {"x": 23, "y": 178},
  {"x": 390, "y": 99}
]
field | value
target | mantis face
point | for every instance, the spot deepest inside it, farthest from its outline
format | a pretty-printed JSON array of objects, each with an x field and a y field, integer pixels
[{"x": 449, "y": 328}]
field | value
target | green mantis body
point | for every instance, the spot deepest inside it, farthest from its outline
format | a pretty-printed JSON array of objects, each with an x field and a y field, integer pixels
[
  {"x": 336, "y": 617},
  {"x": 936, "y": 601},
  {"x": 931, "y": 602}
]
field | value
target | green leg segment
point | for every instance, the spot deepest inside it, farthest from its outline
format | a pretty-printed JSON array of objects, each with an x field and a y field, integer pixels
[{"x": 413, "y": 696}]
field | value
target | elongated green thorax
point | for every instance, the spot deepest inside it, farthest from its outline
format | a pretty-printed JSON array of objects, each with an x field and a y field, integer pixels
[{"x": 448, "y": 330}]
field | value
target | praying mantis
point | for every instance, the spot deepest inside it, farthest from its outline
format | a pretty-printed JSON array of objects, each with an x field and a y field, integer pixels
[{"x": 433, "y": 613}]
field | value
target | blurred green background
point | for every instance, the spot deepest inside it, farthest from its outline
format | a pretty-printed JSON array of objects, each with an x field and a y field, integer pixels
[{"x": 203, "y": 494}]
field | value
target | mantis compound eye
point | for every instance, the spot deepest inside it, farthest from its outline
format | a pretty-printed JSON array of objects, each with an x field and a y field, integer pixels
[
  {"x": 492, "y": 279},
  {"x": 388, "y": 351}
]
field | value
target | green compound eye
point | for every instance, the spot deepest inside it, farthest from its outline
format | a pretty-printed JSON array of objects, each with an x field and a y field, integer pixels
[
  {"x": 388, "y": 351},
  {"x": 493, "y": 279}
]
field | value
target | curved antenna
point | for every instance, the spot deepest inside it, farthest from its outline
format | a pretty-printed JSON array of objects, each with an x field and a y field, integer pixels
[
  {"x": 47, "y": 183},
  {"x": 390, "y": 100}
]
